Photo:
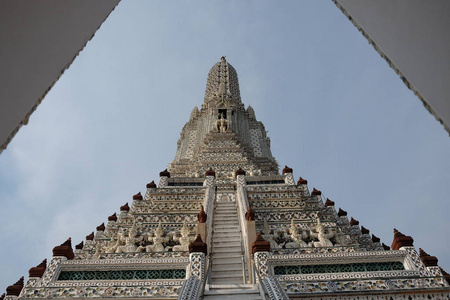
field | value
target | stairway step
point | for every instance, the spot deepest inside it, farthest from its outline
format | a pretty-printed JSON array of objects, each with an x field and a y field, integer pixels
[
  {"x": 231, "y": 292},
  {"x": 226, "y": 239},
  {"x": 226, "y": 274},
  {"x": 227, "y": 250},
  {"x": 240, "y": 286},
  {"x": 226, "y": 232},
  {"x": 220, "y": 255},
  {"x": 226, "y": 211},
  {"x": 225, "y": 221},
  {"x": 225, "y": 218},
  {"x": 227, "y": 229},
  {"x": 227, "y": 267},
  {"x": 226, "y": 225},
  {"x": 227, "y": 260},
  {"x": 228, "y": 280},
  {"x": 227, "y": 244}
]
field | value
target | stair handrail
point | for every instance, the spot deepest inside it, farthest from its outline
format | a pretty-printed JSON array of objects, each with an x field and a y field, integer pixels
[
  {"x": 209, "y": 240},
  {"x": 242, "y": 206},
  {"x": 269, "y": 287},
  {"x": 210, "y": 206},
  {"x": 262, "y": 289}
]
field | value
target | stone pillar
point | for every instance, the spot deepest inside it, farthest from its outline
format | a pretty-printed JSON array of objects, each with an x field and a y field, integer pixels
[
  {"x": 261, "y": 252},
  {"x": 197, "y": 265},
  {"x": 163, "y": 178},
  {"x": 13, "y": 291},
  {"x": 201, "y": 229},
  {"x": 261, "y": 264},
  {"x": 251, "y": 237},
  {"x": 288, "y": 177}
]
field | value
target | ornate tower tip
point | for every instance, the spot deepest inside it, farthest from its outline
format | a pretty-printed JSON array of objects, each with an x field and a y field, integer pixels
[{"x": 223, "y": 58}]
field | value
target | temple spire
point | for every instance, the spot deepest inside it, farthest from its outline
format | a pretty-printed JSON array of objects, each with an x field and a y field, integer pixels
[{"x": 222, "y": 86}]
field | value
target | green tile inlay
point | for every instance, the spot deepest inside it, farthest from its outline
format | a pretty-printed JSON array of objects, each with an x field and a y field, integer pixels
[
  {"x": 338, "y": 268},
  {"x": 123, "y": 274}
]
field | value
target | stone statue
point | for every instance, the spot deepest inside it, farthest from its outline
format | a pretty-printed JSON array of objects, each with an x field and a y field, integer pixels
[
  {"x": 114, "y": 245},
  {"x": 124, "y": 243},
  {"x": 222, "y": 124},
  {"x": 322, "y": 236},
  {"x": 343, "y": 239},
  {"x": 157, "y": 240},
  {"x": 297, "y": 236},
  {"x": 184, "y": 240},
  {"x": 270, "y": 237}
]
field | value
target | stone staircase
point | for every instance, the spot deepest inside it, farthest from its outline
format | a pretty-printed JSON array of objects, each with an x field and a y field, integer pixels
[{"x": 226, "y": 274}]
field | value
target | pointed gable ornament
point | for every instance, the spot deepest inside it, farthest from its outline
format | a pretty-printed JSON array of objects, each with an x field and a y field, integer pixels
[
  {"x": 65, "y": 249},
  {"x": 113, "y": 217},
  {"x": 342, "y": 213},
  {"x": 260, "y": 244},
  {"x": 198, "y": 246},
  {"x": 239, "y": 172},
  {"x": 329, "y": 203},
  {"x": 210, "y": 172},
  {"x": 39, "y": 270},
  {"x": 16, "y": 288},
  {"x": 138, "y": 196},
  {"x": 286, "y": 170},
  {"x": 316, "y": 192},
  {"x": 164, "y": 173},
  {"x": 427, "y": 259},
  {"x": 202, "y": 215},
  {"x": 302, "y": 181},
  {"x": 125, "y": 207},
  {"x": 151, "y": 185},
  {"x": 401, "y": 240}
]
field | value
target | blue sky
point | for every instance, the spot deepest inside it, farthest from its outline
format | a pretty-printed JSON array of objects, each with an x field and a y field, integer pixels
[{"x": 336, "y": 113}]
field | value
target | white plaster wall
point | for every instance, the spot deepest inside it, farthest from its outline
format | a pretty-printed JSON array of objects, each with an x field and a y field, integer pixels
[
  {"x": 39, "y": 39},
  {"x": 413, "y": 34}
]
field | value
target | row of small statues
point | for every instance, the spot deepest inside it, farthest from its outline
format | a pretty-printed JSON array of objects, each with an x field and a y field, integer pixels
[
  {"x": 155, "y": 241},
  {"x": 318, "y": 236}
]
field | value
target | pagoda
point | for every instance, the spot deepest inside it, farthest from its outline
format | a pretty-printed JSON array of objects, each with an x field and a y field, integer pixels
[{"x": 222, "y": 222}]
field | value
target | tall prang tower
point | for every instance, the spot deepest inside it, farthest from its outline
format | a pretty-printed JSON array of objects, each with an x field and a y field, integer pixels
[{"x": 223, "y": 223}]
